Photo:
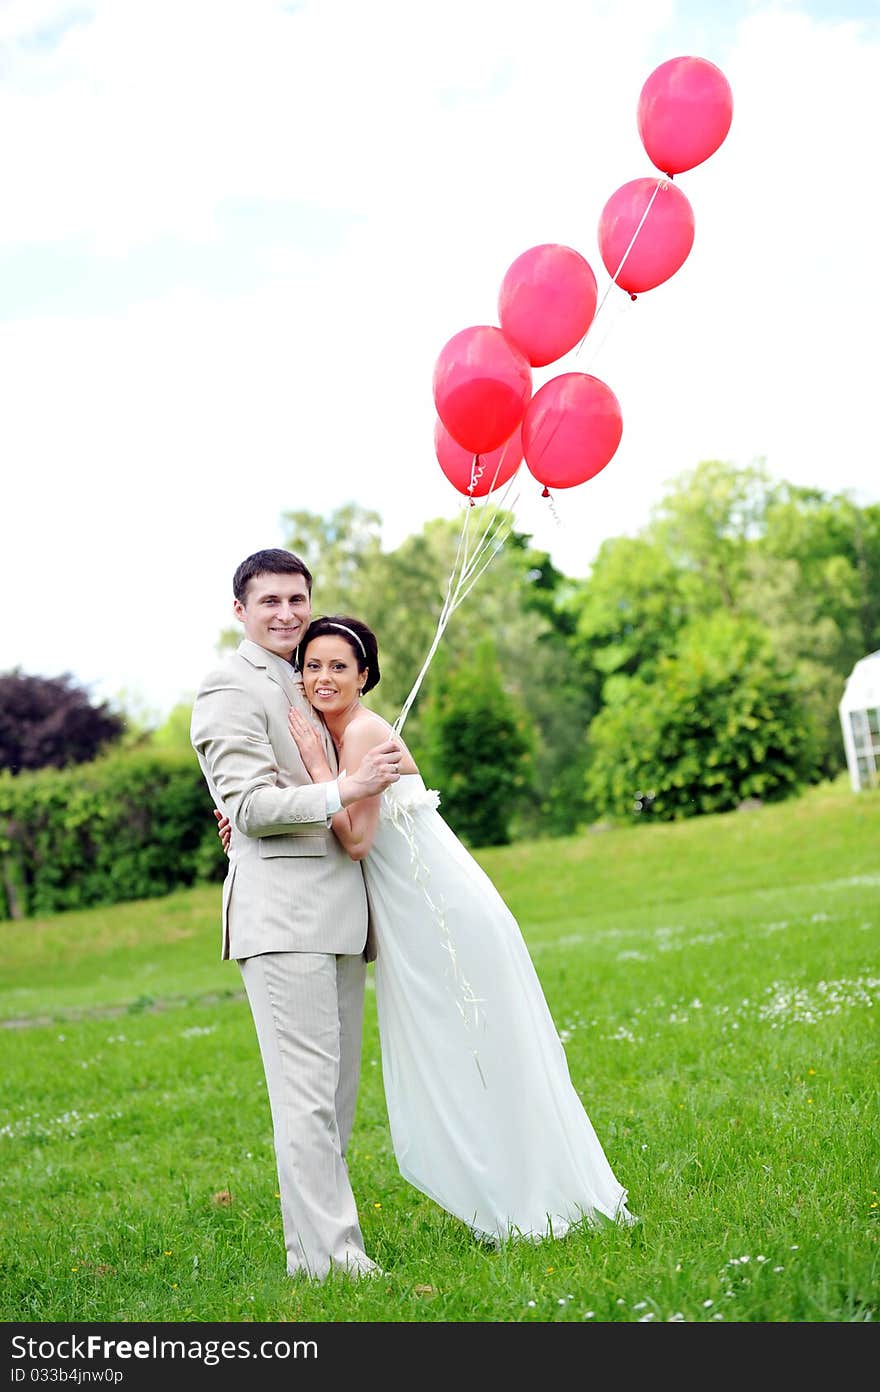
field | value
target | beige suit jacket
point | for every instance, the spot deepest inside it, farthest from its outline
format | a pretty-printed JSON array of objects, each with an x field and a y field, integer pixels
[{"x": 290, "y": 886}]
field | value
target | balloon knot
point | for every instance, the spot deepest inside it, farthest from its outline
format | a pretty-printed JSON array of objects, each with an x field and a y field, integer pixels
[
  {"x": 633, "y": 298},
  {"x": 472, "y": 503},
  {"x": 546, "y": 493}
]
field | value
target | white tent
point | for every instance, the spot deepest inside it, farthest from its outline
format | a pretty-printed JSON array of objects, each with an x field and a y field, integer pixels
[{"x": 859, "y": 711}]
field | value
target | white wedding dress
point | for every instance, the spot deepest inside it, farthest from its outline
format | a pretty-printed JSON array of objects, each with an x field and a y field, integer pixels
[{"x": 484, "y": 1117}]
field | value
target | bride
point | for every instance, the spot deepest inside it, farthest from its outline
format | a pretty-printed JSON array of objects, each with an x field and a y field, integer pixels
[{"x": 483, "y": 1114}]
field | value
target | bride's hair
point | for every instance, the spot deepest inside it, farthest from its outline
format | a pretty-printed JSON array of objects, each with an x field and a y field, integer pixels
[{"x": 359, "y": 637}]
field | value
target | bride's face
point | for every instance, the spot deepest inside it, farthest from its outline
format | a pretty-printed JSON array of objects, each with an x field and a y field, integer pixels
[{"x": 330, "y": 673}]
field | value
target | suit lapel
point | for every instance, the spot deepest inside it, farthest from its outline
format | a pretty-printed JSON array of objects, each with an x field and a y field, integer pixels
[{"x": 289, "y": 678}]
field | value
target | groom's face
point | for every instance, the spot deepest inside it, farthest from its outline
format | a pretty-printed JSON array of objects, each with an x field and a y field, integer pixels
[{"x": 275, "y": 612}]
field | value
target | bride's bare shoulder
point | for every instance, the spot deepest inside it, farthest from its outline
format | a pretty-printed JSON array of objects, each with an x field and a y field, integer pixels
[{"x": 368, "y": 729}]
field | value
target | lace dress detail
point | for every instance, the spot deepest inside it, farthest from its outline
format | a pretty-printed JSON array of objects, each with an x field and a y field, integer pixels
[{"x": 406, "y": 795}]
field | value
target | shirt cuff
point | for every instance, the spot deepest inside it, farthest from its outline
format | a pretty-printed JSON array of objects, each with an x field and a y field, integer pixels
[{"x": 334, "y": 801}]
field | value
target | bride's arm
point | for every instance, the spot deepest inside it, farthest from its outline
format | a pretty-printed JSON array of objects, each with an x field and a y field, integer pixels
[{"x": 355, "y": 825}]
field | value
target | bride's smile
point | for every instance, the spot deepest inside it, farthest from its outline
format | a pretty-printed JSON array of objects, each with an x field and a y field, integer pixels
[{"x": 331, "y": 678}]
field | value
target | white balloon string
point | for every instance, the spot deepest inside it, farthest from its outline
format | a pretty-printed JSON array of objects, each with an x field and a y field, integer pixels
[
  {"x": 660, "y": 184},
  {"x": 477, "y": 471},
  {"x": 553, "y": 513},
  {"x": 466, "y": 570}
]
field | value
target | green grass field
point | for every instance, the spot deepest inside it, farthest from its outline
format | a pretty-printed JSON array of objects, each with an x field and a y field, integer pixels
[{"x": 715, "y": 983}]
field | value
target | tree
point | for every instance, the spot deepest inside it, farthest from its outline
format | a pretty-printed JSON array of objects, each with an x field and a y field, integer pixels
[
  {"x": 479, "y": 747},
  {"x": 721, "y": 720},
  {"x": 51, "y": 721}
]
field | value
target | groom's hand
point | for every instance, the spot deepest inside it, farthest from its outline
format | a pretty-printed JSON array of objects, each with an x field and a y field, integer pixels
[{"x": 378, "y": 768}]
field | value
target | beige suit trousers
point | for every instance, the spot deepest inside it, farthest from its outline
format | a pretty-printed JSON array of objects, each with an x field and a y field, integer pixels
[{"x": 308, "y": 1013}]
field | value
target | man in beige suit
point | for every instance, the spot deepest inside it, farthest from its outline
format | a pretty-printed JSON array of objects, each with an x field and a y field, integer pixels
[{"x": 294, "y": 907}]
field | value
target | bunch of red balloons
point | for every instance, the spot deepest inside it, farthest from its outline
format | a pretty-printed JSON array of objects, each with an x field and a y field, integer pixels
[{"x": 488, "y": 418}]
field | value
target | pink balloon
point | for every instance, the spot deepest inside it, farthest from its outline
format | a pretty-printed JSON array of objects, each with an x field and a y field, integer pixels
[
  {"x": 684, "y": 113},
  {"x": 547, "y": 301},
  {"x": 481, "y": 385},
  {"x": 662, "y": 241},
  {"x": 570, "y": 430},
  {"x": 461, "y": 466}
]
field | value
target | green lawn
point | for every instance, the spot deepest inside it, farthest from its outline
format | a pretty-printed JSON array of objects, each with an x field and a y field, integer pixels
[{"x": 715, "y": 983}]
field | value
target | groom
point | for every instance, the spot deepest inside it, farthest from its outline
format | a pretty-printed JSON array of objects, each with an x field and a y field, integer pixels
[{"x": 294, "y": 906}]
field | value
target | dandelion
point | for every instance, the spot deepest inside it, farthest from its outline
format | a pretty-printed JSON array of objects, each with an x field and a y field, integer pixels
[
  {"x": 550, "y": 1269},
  {"x": 377, "y": 1205}
]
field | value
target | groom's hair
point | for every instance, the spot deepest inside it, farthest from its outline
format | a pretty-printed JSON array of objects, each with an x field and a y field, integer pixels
[{"x": 271, "y": 562}]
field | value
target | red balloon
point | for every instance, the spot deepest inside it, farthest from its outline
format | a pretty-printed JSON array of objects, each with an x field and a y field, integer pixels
[
  {"x": 662, "y": 241},
  {"x": 684, "y": 113},
  {"x": 570, "y": 430},
  {"x": 547, "y": 301},
  {"x": 461, "y": 466},
  {"x": 481, "y": 385}
]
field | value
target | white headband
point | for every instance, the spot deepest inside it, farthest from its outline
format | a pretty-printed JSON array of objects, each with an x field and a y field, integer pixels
[{"x": 346, "y": 629}]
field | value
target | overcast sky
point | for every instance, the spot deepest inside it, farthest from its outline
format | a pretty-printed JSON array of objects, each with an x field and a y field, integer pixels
[{"x": 236, "y": 234}]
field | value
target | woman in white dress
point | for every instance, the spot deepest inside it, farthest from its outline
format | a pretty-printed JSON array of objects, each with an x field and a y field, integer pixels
[{"x": 483, "y": 1114}]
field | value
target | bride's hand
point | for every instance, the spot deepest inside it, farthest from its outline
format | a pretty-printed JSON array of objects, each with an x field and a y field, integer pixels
[
  {"x": 311, "y": 750},
  {"x": 223, "y": 830}
]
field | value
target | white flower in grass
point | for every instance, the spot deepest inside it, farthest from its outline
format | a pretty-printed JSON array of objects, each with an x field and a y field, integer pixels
[
  {"x": 779, "y": 1268},
  {"x": 707, "y": 1304},
  {"x": 641, "y": 1305},
  {"x": 648, "y": 1316},
  {"x": 718, "y": 1316},
  {"x": 760, "y": 1258},
  {"x": 589, "y": 1314},
  {"x": 677, "y": 1318},
  {"x": 531, "y": 1304}
]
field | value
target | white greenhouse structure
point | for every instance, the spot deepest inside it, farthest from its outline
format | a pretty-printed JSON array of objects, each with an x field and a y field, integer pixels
[{"x": 859, "y": 710}]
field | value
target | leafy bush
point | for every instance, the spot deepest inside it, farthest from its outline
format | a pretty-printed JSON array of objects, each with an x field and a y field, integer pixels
[
  {"x": 129, "y": 826},
  {"x": 721, "y": 721},
  {"x": 478, "y": 751}
]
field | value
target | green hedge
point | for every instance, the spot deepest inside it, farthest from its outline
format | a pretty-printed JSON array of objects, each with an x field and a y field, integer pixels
[{"x": 131, "y": 825}]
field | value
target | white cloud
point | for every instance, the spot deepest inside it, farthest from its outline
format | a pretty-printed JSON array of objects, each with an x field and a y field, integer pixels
[{"x": 150, "y": 449}]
